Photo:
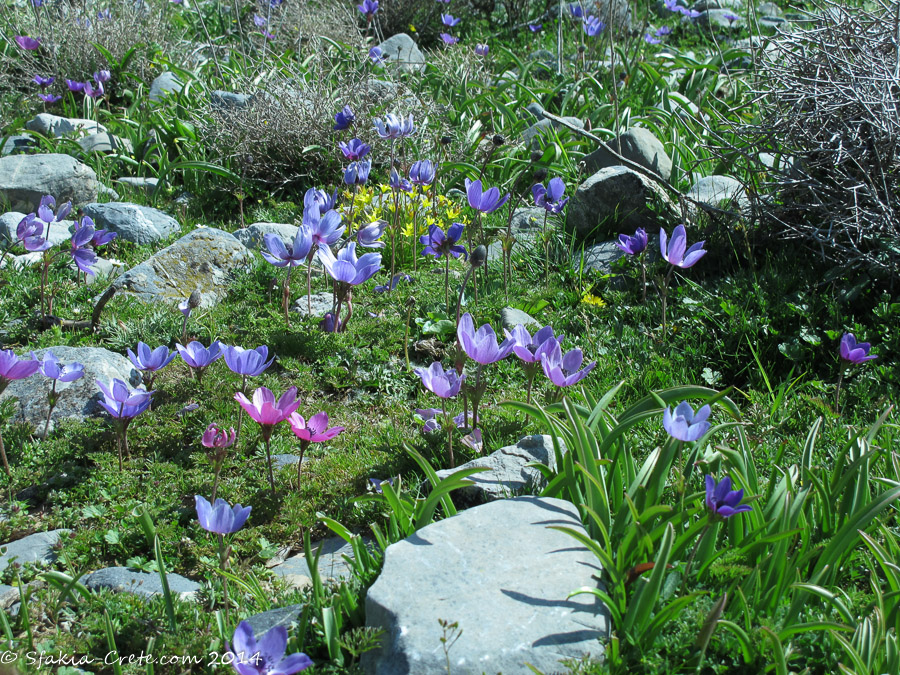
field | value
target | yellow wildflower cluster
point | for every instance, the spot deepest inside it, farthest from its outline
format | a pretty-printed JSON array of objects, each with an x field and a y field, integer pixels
[
  {"x": 418, "y": 211},
  {"x": 589, "y": 298}
]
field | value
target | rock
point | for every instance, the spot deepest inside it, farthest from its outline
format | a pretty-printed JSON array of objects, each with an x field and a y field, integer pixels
[
  {"x": 103, "y": 269},
  {"x": 769, "y": 9},
  {"x": 21, "y": 262},
  {"x": 381, "y": 89},
  {"x": 535, "y": 109},
  {"x": 104, "y": 142},
  {"x": 35, "y": 548},
  {"x": 55, "y": 126},
  {"x": 8, "y": 595},
  {"x": 142, "y": 584},
  {"x": 508, "y": 474},
  {"x": 9, "y": 222},
  {"x": 718, "y": 18},
  {"x": 510, "y": 317},
  {"x": 526, "y": 225},
  {"x": 600, "y": 257},
  {"x": 545, "y": 63},
  {"x": 252, "y": 236},
  {"x": 25, "y": 179},
  {"x": 165, "y": 84},
  {"x": 613, "y": 200},
  {"x": 640, "y": 146},
  {"x": 282, "y": 461},
  {"x": 78, "y": 399},
  {"x": 229, "y": 100},
  {"x": 134, "y": 223},
  {"x": 704, "y": 5},
  {"x": 332, "y": 565},
  {"x": 538, "y": 131},
  {"x": 503, "y": 576},
  {"x": 17, "y": 144},
  {"x": 403, "y": 50},
  {"x": 282, "y": 616},
  {"x": 204, "y": 260},
  {"x": 321, "y": 304},
  {"x": 148, "y": 185},
  {"x": 109, "y": 193},
  {"x": 722, "y": 192},
  {"x": 616, "y": 13}
]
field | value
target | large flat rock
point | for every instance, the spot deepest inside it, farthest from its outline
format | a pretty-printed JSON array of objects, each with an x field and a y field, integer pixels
[
  {"x": 132, "y": 222},
  {"x": 503, "y": 576},
  {"x": 142, "y": 584},
  {"x": 25, "y": 179},
  {"x": 36, "y": 547}
]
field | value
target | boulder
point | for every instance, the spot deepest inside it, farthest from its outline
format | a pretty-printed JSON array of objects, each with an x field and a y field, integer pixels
[
  {"x": 403, "y": 50},
  {"x": 25, "y": 179},
  {"x": 510, "y": 317},
  {"x": 204, "y": 260},
  {"x": 78, "y": 399},
  {"x": 718, "y": 18},
  {"x": 640, "y": 146},
  {"x": 332, "y": 566},
  {"x": 615, "y": 199},
  {"x": 321, "y": 304},
  {"x": 104, "y": 142},
  {"x": 132, "y": 222},
  {"x": 9, "y": 222},
  {"x": 35, "y": 548},
  {"x": 165, "y": 84},
  {"x": 282, "y": 616},
  {"x": 252, "y": 236},
  {"x": 704, "y": 5},
  {"x": 722, "y": 192},
  {"x": 504, "y": 577},
  {"x": 533, "y": 135},
  {"x": 147, "y": 185},
  {"x": 599, "y": 257},
  {"x": 55, "y": 126},
  {"x": 141, "y": 584},
  {"x": 17, "y": 144},
  {"x": 229, "y": 100}
]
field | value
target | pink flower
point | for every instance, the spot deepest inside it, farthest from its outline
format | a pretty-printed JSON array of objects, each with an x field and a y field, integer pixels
[
  {"x": 314, "y": 430},
  {"x": 215, "y": 437},
  {"x": 265, "y": 410}
]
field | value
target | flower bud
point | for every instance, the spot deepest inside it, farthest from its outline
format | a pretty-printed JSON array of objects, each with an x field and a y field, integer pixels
[{"x": 479, "y": 256}]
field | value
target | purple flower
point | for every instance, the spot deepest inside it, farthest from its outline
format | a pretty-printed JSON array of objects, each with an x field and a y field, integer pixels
[
  {"x": 482, "y": 49},
  {"x": 562, "y": 370},
  {"x": 449, "y": 39},
  {"x": 319, "y": 198},
  {"x": 104, "y": 14},
  {"x": 439, "y": 244},
  {"x": 216, "y": 437},
  {"x": 266, "y": 657},
  {"x": 398, "y": 183},
  {"x": 49, "y": 98},
  {"x": 855, "y": 352},
  {"x": 121, "y": 401},
  {"x": 633, "y": 245},
  {"x": 344, "y": 119},
  {"x": 428, "y": 417},
  {"x": 354, "y": 149},
  {"x": 481, "y": 345},
  {"x": 376, "y": 55},
  {"x": 259, "y": 21},
  {"x": 422, "y": 172},
  {"x": 30, "y": 231},
  {"x": 93, "y": 92},
  {"x": 473, "y": 441},
  {"x": 28, "y": 43},
  {"x": 265, "y": 410},
  {"x": 593, "y": 26},
  {"x": 721, "y": 500},
  {"x": 449, "y": 21},
  {"x": 84, "y": 257},
  {"x": 576, "y": 10},
  {"x": 394, "y": 127},
  {"x": 534, "y": 27},
  {"x": 675, "y": 253},
  {"x": 530, "y": 349},
  {"x": 684, "y": 424},
  {"x": 102, "y": 76},
  {"x": 370, "y": 234},
  {"x": 368, "y": 7},
  {"x": 357, "y": 173},
  {"x": 198, "y": 356},
  {"x": 313, "y": 430},
  {"x": 689, "y": 13},
  {"x": 396, "y": 279},
  {"x": 280, "y": 256},
  {"x": 51, "y": 368},
  {"x": 486, "y": 201},
  {"x": 45, "y": 210},
  {"x": 221, "y": 518},
  {"x": 151, "y": 361},
  {"x": 731, "y": 17},
  {"x": 672, "y": 5},
  {"x": 443, "y": 383},
  {"x": 551, "y": 197},
  {"x": 14, "y": 368},
  {"x": 662, "y": 31},
  {"x": 43, "y": 82},
  {"x": 346, "y": 268},
  {"x": 650, "y": 40},
  {"x": 248, "y": 362},
  {"x": 325, "y": 229},
  {"x": 74, "y": 86},
  {"x": 377, "y": 483},
  {"x": 327, "y": 324},
  {"x": 102, "y": 238}
]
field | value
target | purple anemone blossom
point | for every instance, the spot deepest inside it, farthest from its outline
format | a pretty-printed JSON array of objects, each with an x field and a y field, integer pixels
[
  {"x": 27, "y": 43},
  {"x": 397, "y": 183},
  {"x": 371, "y": 234},
  {"x": 576, "y": 10},
  {"x": 674, "y": 252},
  {"x": 662, "y": 31},
  {"x": 102, "y": 76},
  {"x": 535, "y": 27},
  {"x": 74, "y": 86},
  {"x": 354, "y": 149},
  {"x": 593, "y": 26},
  {"x": 30, "y": 232},
  {"x": 390, "y": 286},
  {"x": 248, "y": 362},
  {"x": 428, "y": 418},
  {"x": 221, "y": 518},
  {"x": 50, "y": 98},
  {"x": 259, "y": 21},
  {"x": 43, "y": 82},
  {"x": 731, "y": 18},
  {"x": 369, "y": 8},
  {"x": 442, "y": 383},
  {"x": 346, "y": 268},
  {"x": 265, "y": 410},
  {"x": 325, "y": 229},
  {"x": 722, "y": 501},
  {"x": 394, "y": 127},
  {"x": 449, "y": 20},
  {"x": 529, "y": 349},
  {"x": 563, "y": 370},
  {"x": 83, "y": 256},
  {"x": 313, "y": 430},
  {"x": 855, "y": 352},
  {"x": 482, "y": 49},
  {"x": 481, "y": 345},
  {"x": 422, "y": 173},
  {"x": 449, "y": 39},
  {"x": 344, "y": 119},
  {"x": 217, "y": 437},
  {"x": 121, "y": 401},
  {"x": 320, "y": 198},
  {"x": 485, "y": 201},
  {"x": 328, "y": 325},
  {"x": 650, "y": 40},
  {"x": 266, "y": 657},
  {"x": 280, "y": 256},
  {"x": 94, "y": 92},
  {"x": 151, "y": 361},
  {"x": 439, "y": 244},
  {"x": 684, "y": 424},
  {"x": 357, "y": 173},
  {"x": 198, "y": 357},
  {"x": 550, "y": 198},
  {"x": 377, "y": 56},
  {"x": 14, "y": 368},
  {"x": 51, "y": 367},
  {"x": 633, "y": 245}
]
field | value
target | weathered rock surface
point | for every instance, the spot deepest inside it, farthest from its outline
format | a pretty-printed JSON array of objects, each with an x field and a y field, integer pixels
[
  {"x": 332, "y": 566},
  {"x": 321, "y": 304},
  {"x": 104, "y": 142},
  {"x": 35, "y": 548},
  {"x": 402, "y": 50},
  {"x": 205, "y": 259},
  {"x": 25, "y": 179},
  {"x": 148, "y": 185},
  {"x": 722, "y": 192},
  {"x": 229, "y": 100},
  {"x": 503, "y": 576},
  {"x": 282, "y": 616},
  {"x": 640, "y": 146},
  {"x": 17, "y": 144},
  {"x": 510, "y": 317},
  {"x": 78, "y": 399},
  {"x": 134, "y": 223},
  {"x": 164, "y": 84},
  {"x": 55, "y": 126},
  {"x": 142, "y": 584},
  {"x": 253, "y": 236}
]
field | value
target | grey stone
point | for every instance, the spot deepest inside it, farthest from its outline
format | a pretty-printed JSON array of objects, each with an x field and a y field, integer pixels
[
  {"x": 614, "y": 13},
  {"x": 141, "y": 584},
  {"x": 253, "y": 236},
  {"x": 545, "y": 63},
  {"x": 148, "y": 185},
  {"x": 132, "y": 222},
  {"x": 35, "y": 548},
  {"x": 78, "y": 399},
  {"x": 8, "y": 595},
  {"x": 285, "y": 460},
  {"x": 773, "y": 22},
  {"x": 166, "y": 83},
  {"x": 20, "y": 262},
  {"x": 9, "y": 222},
  {"x": 721, "y": 192},
  {"x": 104, "y": 142},
  {"x": 103, "y": 269},
  {"x": 17, "y": 144},
  {"x": 600, "y": 257},
  {"x": 640, "y": 146},
  {"x": 717, "y": 18},
  {"x": 108, "y": 192},
  {"x": 615, "y": 199},
  {"x": 332, "y": 565},
  {"x": 510, "y": 317},
  {"x": 381, "y": 89},
  {"x": 402, "y": 50},
  {"x": 55, "y": 126},
  {"x": 535, "y": 109},
  {"x": 769, "y": 9},
  {"x": 509, "y": 473},
  {"x": 321, "y": 304},
  {"x": 542, "y": 130},
  {"x": 25, "y": 179},
  {"x": 229, "y": 100},
  {"x": 704, "y": 5},
  {"x": 204, "y": 260},
  {"x": 282, "y": 616},
  {"x": 504, "y": 577}
]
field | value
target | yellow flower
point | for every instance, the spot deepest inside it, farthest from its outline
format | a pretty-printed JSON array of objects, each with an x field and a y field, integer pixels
[{"x": 590, "y": 299}]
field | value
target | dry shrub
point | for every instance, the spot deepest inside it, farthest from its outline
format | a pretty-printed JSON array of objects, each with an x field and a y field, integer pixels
[
  {"x": 831, "y": 98},
  {"x": 294, "y": 23}
]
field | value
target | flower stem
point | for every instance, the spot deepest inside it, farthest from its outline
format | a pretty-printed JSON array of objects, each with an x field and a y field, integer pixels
[
  {"x": 286, "y": 296},
  {"x": 3, "y": 453},
  {"x": 267, "y": 438},
  {"x": 837, "y": 391},
  {"x": 449, "y": 425},
  {"x": 223, "y": 563},
  {"x": 52, "y": 401},
  {"x": 303, "y": 446},
  {"x": 690, "y": 562},
  {"x": 447, "y": 282}
]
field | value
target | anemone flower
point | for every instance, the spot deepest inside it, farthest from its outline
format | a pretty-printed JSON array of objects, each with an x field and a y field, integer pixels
[
  {"x": 267, "y": 412},
  {"x": 247, "y": 362},
  {"x": 281, "y": 256},
  {"x": 853, "y": 352},
  {"x": 326, "y": 202},
  {"x": 74, "y": 86},
  {"x": 394, "y": 127},
  {"x": 371, "y": 234},
  {"x": 220, "y": 518},
  {"x": 354, "y": 149},
  {"x": 481, "y": 345},
  {"x": 344, "y": 118},
  {"x": 27, "y": 43},
  {"x": 593, "y": 26},
  {"x": 442, "y": 245},
  {"x": 390, "y": 286},
  {"x": 313, "y": 430},
  {"x": 52, "y": 369},
  {"x": 83, "y": 256},
  {"x": 563, "y": 370},
  {"x": 535, "y": 27},
  {"x": 43, "y": 82},
  {"x": 357, "y": 173},
  {"x": 123, "y": 404},
  {"x": 369, "y": 8},
  {"x": 444, "y": 384},
  {"x": 635, "y": 246},
  {"x": 30, "y": 233},
  {"x": 482, "y": 49},
  {"x": 348, "y": 271},
  {"x": 218, "y": 441},
  {"x": 150, "y": 361},
  {"x": 398, "y": 183},
  {"x": 94, "y": 92},
  {"x": 550, "y": 198},
  {"x": 721, "y": 501},
  {"x": 428, "y": 418},
  {"x": 376, "y": 56},
  {"x": 530, "y": 349},
  {"x": 448, "y": 39},
  {"x": 449, "y": 20},
  {"x": 484, "y": 201},
  {"x": 684, "y": 424},
  {"x": 102, "y": 76},
  {"x": 50, "y": 98},
  {"x": 422, "y": 173},
  {"x": 267, "y": 656},
  {"x": 199, "y": 358},
  {"x": 13, "y": 368},
  {"x": 676, "y": 253}
]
